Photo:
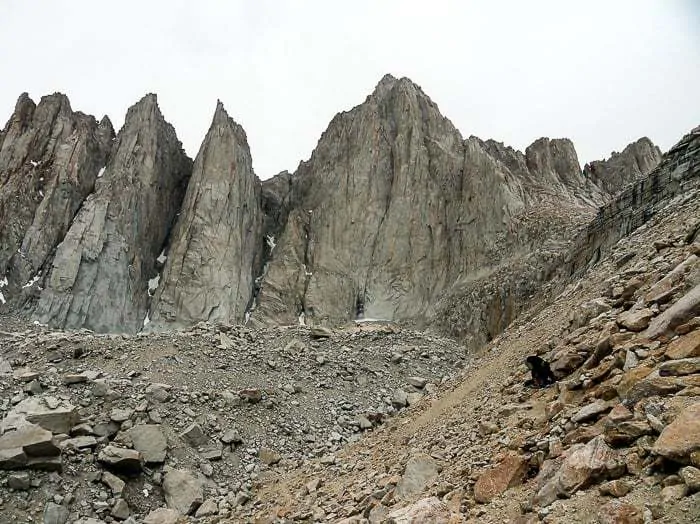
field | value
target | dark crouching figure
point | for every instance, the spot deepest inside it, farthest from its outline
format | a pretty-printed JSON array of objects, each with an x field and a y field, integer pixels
[{"x": 541, "y": 373}]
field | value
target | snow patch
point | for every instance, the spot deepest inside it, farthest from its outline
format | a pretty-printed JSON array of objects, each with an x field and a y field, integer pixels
[
  {"x": 34, "y": 163},
  {"x": 247, "y": 317},
  {"x": 4, "y": 282},
  {"x": 2, "y": 299},
  {"x": 302, "y": 319},
  {"x": 41, "y": 193},
  {"x": 33, "y": 281},
  {"x": 153, "y": 285},
  {"x": 100, "y": 173},
  {"x": 270, "y": 239},
  {"x": 146, "y": 320},
  {"x": 161, "y": 258}
]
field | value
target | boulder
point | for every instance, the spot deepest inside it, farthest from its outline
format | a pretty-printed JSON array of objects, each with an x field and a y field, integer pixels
[
  {"x": 420, "y": 473},
  {"x": 183, "y": 491},
  {"x": 615, "y": 488},
  {"x": 584, "y": 465},
  {"x": 624, "y": 433},
  {"x": 652, "y": 385},
  {"x": 120, "y": 510},
  {"x": 162, "y": 516},
  {"x": 57, "y": 416},
  {"x": 591, "y": 411},
  {"x": 635, "y": 320},
  {"x": 114, "y": 483},
  {"x": 194, "y": 435},
  {"x": 566, "y": 362},
  {"x": 55, "y": 514},
  {"x": 691, "y": 477},
  {"x": 430, "y": 509},
  {"x": 687, "y": 346},
  {"x": 681, "y": 437},
  {"x": 618, "y": 512},
  {"x": 269, "y": 456},
  {"x": 87, "y": 441},
  {"x": 32, "y": 440},
  {"x": 684, "y": 366},
  {"x": 207, "y": 509},
  {"x": 680, "y": 312},
  {"x": 508, "y": 473},
  {"x": 127, "y": 461},
  {"x": 148, "y": 439}
]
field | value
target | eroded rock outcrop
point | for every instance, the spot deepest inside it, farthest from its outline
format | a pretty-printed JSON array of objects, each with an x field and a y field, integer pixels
[
  {"x": 621, "y": 169},
  {"x": 217, "y": 242},
  {"x": 99, "y": 278},
  {"x": 391, "y": 211},
  {"x": 50, "y": 157}
]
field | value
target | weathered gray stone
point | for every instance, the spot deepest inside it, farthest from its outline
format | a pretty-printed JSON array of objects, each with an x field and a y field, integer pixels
[
  {"x": 194, "y": 435},
  {"x": 123, "y": 460},
  {"x": 87, "y": 441},
  {"x": 682, "y": 311},
  {"x": 635, "y": 320},
  {"x": 55, "y": 514},
  {"x": 100, "y": 273},
  {"x": 149, "y": 440},
  {"x": 52, "y": 414},
  {"x": 49, "y": 161},
  {"x": 115, "y": 483},
  {"x": 216, "y": 247},
  {"x": 162, "y": 516},
  {"x": 120, "y": 510},
  {"x": 421, "y": 471},
  {"x": 32, "y": 440},
  {"x": 183, "y": 491}
]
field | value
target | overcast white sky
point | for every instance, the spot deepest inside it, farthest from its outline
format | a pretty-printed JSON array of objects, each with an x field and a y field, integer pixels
[{"x": 602, "y": 73}]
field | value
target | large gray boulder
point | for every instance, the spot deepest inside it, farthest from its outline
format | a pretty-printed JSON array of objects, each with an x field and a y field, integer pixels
[
  {"x": 217, "y": 242},
  {"x": 184, "y": 492},
  {"x": 99, "y": 277}
]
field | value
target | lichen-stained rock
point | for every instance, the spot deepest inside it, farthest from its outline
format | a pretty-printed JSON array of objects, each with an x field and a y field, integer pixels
[
  {"x": 216, "y": 245},
  {"x": 99, "y": 276},
  {"x": 49, "y": 160}
]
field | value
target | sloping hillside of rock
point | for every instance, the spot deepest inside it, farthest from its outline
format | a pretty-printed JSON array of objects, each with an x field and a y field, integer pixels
[
  {"x": 106, "y": 427},
  {"x": 216, "y": 246},
  {"x": 50, "y": 157},
  {"x": 616, "y": 439},
  {"x": 99, "y": 276}
]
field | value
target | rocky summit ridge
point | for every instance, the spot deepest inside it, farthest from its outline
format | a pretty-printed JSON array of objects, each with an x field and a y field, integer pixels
[{"x": 393, "y": 212}]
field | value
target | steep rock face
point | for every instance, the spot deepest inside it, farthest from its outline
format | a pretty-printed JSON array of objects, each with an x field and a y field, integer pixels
[
  {"x": 391, "y": 210},
  {"x": 479, "y": 308},
  {"x": 49, "y": 159},
  {"x": 621, "y": 169},
  {"x": 216, "y": 245},
  {"x": 99, "y": 276}
]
